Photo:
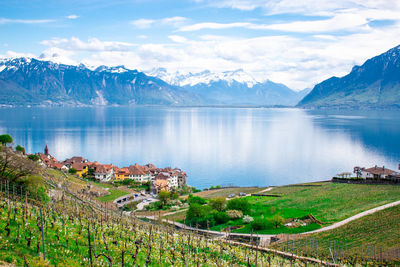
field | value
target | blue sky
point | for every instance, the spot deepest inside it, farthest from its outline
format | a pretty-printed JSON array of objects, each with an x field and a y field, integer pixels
[{"x": 298, "y": 43}]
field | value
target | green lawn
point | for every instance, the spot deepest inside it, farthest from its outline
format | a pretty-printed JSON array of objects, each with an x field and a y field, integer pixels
[
  {"x": 380, "y": 230},
  {"x": 115, "y": 193},
  {"x": 329, "y": 203}
]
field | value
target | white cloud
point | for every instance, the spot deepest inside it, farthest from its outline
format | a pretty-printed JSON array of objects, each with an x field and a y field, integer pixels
[
  {"x": 93, "y": 44},
  {"x": 72, "y": 16},
  {"x": 25, "y": 21},
  {"x": 147, "y": 23},
  {"x": 143, "y": 23},
  {"x": 292, "y": 60},
  {"x": 348, "y": 20},
  {"x": 177, "y": 38},
  {"x": 321, "y": 7}
]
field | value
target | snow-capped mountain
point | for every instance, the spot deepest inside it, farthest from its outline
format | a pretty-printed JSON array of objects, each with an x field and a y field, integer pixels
[
  {"x": 230, "y": 87},
  {"x": 35, "y": 82},
  {"x": 204, "y": 77}
]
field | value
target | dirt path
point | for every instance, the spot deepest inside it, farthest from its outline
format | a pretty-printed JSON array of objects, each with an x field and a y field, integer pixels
[
  {"x": 352, "y": 218},
  {"x": 265, "y": 190},
  {"x": 327, "y": 228}
]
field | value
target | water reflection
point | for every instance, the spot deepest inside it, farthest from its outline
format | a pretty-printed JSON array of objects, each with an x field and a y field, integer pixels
[{"x": 215, "y": 146}]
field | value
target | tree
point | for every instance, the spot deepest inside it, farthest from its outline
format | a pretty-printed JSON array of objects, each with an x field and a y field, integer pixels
[
  {"x": 33, "y": 157},
  {"x": 164, "y": 196},
  {"x": 195, "y": 199},
  {"x": 239, "y": 204},
  {"x": 72, "y": 171},
  {"x": 218, "y": 203},
  {"x": 14, "y": 166},
  {"x": 259, "y": 224},
  {"x": 6, "y": 139},
  {"x": 174, "y": 195},
  {"x": 20, "y": 148},
  {"x": 277, "y": 221}
]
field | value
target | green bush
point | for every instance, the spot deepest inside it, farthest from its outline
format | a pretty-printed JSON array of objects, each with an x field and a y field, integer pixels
[
  {"x": 277, "y": 221},
  {"x": 20, "y": 149},
  {"x": 259, "y": 224},
  {"x": 218, "y": 203},
  {"x": 200, "y": 215},
  {"x": 72, "y": 171},
  {"x": 33, "y": 157},
  {"x": 221, "y": 217},
  {"x": 241, "y": 204},
  {"x": 196, "y": 200}
]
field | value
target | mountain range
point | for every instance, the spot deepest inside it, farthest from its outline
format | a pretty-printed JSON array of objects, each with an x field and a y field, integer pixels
[
  {"x": 375, "y": 84},
  {"x": 231, "y": 88},
  {"x": 28, "y": 81}
]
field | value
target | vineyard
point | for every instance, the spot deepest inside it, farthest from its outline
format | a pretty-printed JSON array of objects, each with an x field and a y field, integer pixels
[{"x": 72, "y": 233}]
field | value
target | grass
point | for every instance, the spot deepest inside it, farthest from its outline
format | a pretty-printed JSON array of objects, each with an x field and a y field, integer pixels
[
  {"x": 114, "y": 194},
  {"x": 380, "y": 229},
  {"x": 328, "y": 202},
  {"x": 177, "y": 216},
  {"x": 225, "y": 192}
]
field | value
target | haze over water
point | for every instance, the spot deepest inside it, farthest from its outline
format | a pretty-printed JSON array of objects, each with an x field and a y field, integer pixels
[{"x": 215, "y": 146}]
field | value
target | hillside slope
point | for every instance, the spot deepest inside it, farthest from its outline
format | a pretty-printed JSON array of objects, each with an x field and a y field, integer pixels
[{"x": 375, "y": 84}]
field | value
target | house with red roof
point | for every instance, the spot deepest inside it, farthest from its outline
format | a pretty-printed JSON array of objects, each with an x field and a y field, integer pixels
[{"x": 376, "y": 172}]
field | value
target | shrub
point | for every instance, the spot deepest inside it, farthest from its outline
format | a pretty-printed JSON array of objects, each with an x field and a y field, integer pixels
[
  {"x": 199, "y": 215},
  {"x": 196, "y": 200},
  {"x": 234, "y": 214},
  {"x": 241, "y": 204},
  {"x": 221, "y": 217},
  {"x": 164, "y": 197},
  {"x": 218, "y": 203},
  {"x": 20, "y": 149},
  {"x": 259, "y": 224},
  {"x": 277, "y": 221},
  {"x": 33, "y": 157},
  {"x": 247, "y": 219},
  {"x": 72, "y": 171}
]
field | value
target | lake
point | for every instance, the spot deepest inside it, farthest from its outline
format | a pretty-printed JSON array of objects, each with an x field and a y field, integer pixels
[{"x": 215, "y": 146}]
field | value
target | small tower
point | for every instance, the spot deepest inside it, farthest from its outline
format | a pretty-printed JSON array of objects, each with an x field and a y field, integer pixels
[{"x": 46, "y": 150}]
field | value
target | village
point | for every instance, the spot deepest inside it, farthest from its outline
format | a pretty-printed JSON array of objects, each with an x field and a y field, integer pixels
[{"x": 166, "y": 179}]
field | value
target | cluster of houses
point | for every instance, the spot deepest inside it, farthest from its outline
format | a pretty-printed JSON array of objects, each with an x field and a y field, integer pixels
[{"x": 160, "y": 179}]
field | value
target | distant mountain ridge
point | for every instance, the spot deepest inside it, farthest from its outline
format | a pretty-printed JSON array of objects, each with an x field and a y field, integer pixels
[
  {"x": 30, "y": 81},
  {"x": 231, "y": 88},
  {"x": 375, "y": 84}
]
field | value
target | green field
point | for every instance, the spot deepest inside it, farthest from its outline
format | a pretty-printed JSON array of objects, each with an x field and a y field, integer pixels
[
  {"x": 114, "y": 194},
  {"x": 368, "y": 235},
  {"x": 328, "y": 202}
]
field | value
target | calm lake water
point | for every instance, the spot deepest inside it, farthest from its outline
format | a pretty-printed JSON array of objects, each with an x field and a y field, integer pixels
[{"x": 216, "y": 146}]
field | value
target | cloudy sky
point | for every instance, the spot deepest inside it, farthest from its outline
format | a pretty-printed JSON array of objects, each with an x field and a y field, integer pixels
[{"x": 295, "y": 42}]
